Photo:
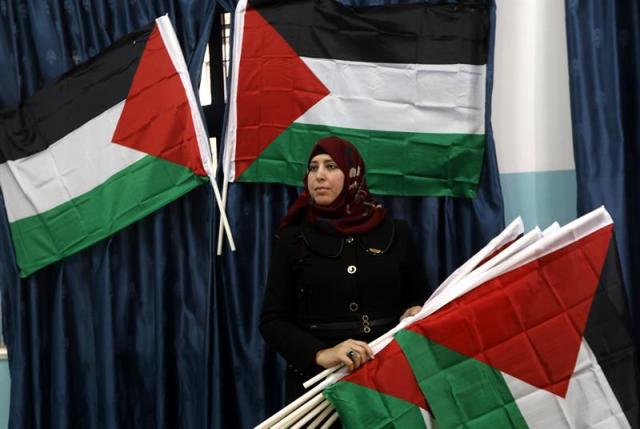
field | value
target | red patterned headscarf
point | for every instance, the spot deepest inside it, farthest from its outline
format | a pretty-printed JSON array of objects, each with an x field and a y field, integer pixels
[{"x": 354, "y": 211}]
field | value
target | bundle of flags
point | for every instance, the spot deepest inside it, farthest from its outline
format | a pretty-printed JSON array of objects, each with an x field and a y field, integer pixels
[
  {"x": 109, "y": 142},
  {"x": 405, "y": 83},
  {"x": 532, "y": 332}
]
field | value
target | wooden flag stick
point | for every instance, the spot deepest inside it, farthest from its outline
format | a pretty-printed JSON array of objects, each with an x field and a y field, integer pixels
[
  {"x": 225, "y": 192},
  {"x": 331, "y": 420},
  {"x": 311, "y": 414},
  {"x": 314, "y": 424},
  {"x": 321, "y": 375},
  {"x": 299, "y": 413},
  {"x": 293, "y": 406},
  {"x": 224, "y": 222},
  {"x": 223, "y": 216}
]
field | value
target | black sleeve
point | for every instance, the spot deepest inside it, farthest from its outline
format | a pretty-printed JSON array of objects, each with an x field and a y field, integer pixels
[
  {"x": 415, "y": 282},
  {"x": 277, "y": 320}
]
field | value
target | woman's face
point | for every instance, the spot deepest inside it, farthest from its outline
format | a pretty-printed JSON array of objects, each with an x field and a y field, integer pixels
[{"x": 325, "y": 179}]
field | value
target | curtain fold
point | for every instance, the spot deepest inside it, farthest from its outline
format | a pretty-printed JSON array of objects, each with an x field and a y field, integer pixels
[
  {"x": 604, "y": 65},
  {"x": 116, "y": 335}
]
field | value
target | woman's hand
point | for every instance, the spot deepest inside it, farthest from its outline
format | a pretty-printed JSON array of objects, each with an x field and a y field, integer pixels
[
  {"x": 352, "y": 353},
  {"x": 411, "y": 311}
]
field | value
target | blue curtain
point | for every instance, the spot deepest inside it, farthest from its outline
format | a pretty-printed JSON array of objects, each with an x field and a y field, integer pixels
[
  {"x": 115, "y": 336},
  {"x": 604, "y": 64},
  {"x": 247, "y": 379}
]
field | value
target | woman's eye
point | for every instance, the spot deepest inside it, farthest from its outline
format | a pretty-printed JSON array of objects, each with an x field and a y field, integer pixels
[
  {"x": 313, "y": 168},
  {"x": 332, "y": 166}
]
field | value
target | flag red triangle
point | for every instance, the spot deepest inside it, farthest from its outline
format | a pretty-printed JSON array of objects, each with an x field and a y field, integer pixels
[
  {"x": 390, "y": 373},
  {"x": 275, "y": 87},
  {"x": 528, "y": 323},
  {"x": 157, "y": 118}
]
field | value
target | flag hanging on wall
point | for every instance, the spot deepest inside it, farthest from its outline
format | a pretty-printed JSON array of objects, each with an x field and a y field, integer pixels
[
  {"x": 109, "y": 142},
  {"x": 544, "y": 341},
  {"x": 404, "y": 83}
]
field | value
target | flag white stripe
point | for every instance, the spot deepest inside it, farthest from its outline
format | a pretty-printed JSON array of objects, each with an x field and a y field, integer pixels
[
  {"x": 423, "y": 98},
  {"x": 589, "y": 403},
  {"x": 72, "y": 166},
  {"x": 551, "y": 228},
  {"x": 517, "y": 246}
]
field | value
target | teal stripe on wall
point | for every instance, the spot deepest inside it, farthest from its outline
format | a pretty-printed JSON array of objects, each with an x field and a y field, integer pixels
[
  {"x": 540, "y": 197},
  {"x": 4, "y": 394}
]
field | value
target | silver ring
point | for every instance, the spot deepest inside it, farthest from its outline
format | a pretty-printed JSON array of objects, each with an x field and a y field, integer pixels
[{"x": 353, "y": 355}]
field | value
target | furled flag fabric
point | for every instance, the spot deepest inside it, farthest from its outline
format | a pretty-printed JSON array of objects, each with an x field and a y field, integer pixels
[
  {"x": 109, "y": 142},
  {"x": 404, "y": 83},
  {"x": 542, "y": 342}
]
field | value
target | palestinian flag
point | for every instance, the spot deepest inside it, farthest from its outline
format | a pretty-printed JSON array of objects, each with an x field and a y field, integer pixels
[
  {"x": 109, "y": 142},
  {"x": 543, "y": 345},
  {"x": 404, "y": 83}
]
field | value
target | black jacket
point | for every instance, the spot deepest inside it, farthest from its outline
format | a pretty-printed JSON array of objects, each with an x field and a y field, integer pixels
[{"x": 323, "y": 289}]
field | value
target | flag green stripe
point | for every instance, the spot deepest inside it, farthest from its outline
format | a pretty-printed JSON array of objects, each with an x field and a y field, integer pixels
[
  {"x": 126, "y": 197},
  {"x": 398, "y": 163},
  {"x": 462, "y": 392},
  {"x": 361, "y": 407}
]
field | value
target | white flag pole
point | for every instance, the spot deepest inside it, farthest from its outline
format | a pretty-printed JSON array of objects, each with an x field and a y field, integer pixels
[
  {"x": 231, "y": 123},
  {"x": 224, "y": 222},
  {"x": 223, "y": 216},
  {"x": 311, "y": 414},
  {"x": 225, "y": 191},
  {"x": 294, "y": 405},
  {"x": 294, "y": 416},
  {"x": 329, "y": 422},
  {"x": 323, "y": 416}
]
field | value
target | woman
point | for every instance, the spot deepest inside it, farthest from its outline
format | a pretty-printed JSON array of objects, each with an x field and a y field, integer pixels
[{"x": 342, "y": 272}]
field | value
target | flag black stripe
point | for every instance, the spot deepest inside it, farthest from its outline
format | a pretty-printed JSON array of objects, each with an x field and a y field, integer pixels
[
  {"x": 73, "y": 99},
  {"x": 403, "y": 33},
  {"x": 608, "y": 333}
]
